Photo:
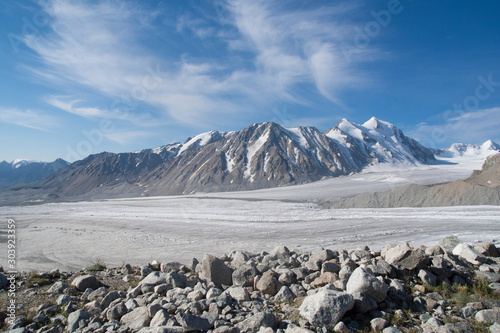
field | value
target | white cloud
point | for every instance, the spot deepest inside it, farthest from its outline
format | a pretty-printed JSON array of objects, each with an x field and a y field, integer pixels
[
  {"x": 466, "y": 127},
  {"x": 98, "y": 45},
  {"x": 70, "y": 105},
  {"x": 28, "y": 118}
]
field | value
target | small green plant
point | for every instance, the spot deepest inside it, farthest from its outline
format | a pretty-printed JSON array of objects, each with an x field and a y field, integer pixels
[
  {"x": 36, "y": 279},
  {"x": 97, "y": 267}
]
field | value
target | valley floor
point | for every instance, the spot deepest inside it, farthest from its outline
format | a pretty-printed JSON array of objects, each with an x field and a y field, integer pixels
[{"x": 137, "y": 231}]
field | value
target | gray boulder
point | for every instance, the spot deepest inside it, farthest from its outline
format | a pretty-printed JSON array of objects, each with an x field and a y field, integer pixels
[
  {"x": 238, "y": 293},
  {"x": 76, "y": 318},
  {"x": 449, "y": 243},
  {"x": 117, "y": 311},
  {"x": 468, "y": 253},
  {"x": 192, "y": 322},
  {"x": 170, "y": 267},
  {"x": 326, "y": 307},
  {"x": 160, "y": 319},
  {"x": 58, "y": 287},
  {"x": 489, "y": 315},
  {"x": 363, "y": 303},
  {"x": 110, "y": 297},
  {"x": 258, "y": 320},
  {"x": 162, "y": 329},
  {"x": 244, "y": 275},
  {"x": 378, "y": 324},
  {"x": 427, "y": 277},
  {"x": 280, "y": 252},
  {"x": 136, "y": 319},
  {"x": 216, "y": 271},
  {"x": 363, "y": 282},
  {"x": 86, "y": 281},
  {"x": 406, "y": 256},
  {"x": 284, "y": 295}
]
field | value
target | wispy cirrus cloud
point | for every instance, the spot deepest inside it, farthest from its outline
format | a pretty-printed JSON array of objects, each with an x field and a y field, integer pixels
[
  {"x": 273, "y": 50},
  {"x": 70, "y": 105},
  {"x": 29, "y": 118}
]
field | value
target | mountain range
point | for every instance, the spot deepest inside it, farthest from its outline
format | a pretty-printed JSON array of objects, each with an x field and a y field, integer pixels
[
  {"x": 27, "y": 172},
  {"x": 260, "y": 156}
]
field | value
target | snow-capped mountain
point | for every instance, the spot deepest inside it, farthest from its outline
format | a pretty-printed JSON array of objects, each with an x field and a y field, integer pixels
[
  {"x": 377, "y": 142},
  {"x": 260, "y": 156},
  {"x": 488, "y": 148},
  {"x": 26, "y": 172}
]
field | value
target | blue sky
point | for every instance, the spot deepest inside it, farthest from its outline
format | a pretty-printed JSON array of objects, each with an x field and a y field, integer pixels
[{"x": 81, "y": 77}]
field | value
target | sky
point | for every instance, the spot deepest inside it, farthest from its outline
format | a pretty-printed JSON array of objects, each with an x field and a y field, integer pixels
[{"x": 82, "y": 77}]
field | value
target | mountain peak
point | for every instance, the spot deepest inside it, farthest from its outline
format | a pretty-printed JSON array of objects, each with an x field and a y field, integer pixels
[
  {"x": 490, "y": 144},
  {"x": 375, "y": 123}
]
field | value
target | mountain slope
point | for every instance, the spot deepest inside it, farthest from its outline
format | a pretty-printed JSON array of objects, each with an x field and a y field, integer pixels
[
  {"x": 482, "y": 188},
  {"x": 27, "y": 172}
]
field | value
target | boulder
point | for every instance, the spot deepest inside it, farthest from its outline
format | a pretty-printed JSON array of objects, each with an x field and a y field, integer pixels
[
  {"x": 449, "y": 243},
  {"x": 192, "y": 322},
  {"x": 326, "y": 307},
  {"x": 468, "y": 253},
  {"x": 296, "y": 329},
  {"x": 77, "y": 317},
  {"x": 110, "y": 297},
  {"x": 434, "y": 250},
  {"x": 324, "y": 279},
  {"x": 170, "y": 267},
  {"x": 238, "y": 293},
  {"x": 215, "y": 270},
  {"x": 244, "y": 275},
  {"x": 427, "y": 277},
  {"x": 284, "y": 295},
  {"x": 363, "y": 282},
  {"x": 322, "y": 256},
  {"x": 258, "y": 320},
  {"x": 363, "y": 303},
  {"x": 117, "y": 311},
  {"x": 58, "y": 287},
  {"x": 136, "y": 319},
  {"x": 280, "y": 252},
  {"x": 159, "y": 319},
  {"x": 162, "y": 329},
  {"x": 378, "y": 324},
  {"x": 489, "y": 315},
  {"x": 86, "y": 281},
  {"x": 486, "y": 249},
  {"x": 268, "y": 284},
  {"x": 406, "y": 256}
]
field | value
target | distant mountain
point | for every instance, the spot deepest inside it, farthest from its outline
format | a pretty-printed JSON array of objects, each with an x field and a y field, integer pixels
[
  {"x": 488, "y": 148},
  {"x": 27, "y": 172},
  {"x": 259, "y": 156}
]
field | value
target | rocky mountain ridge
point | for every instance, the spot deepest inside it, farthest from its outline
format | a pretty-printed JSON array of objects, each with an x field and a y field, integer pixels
[{"x": 259, "y": 156}]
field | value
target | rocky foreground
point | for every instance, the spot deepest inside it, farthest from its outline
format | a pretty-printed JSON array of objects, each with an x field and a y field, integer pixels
[{"x": 450, "y": 287}]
